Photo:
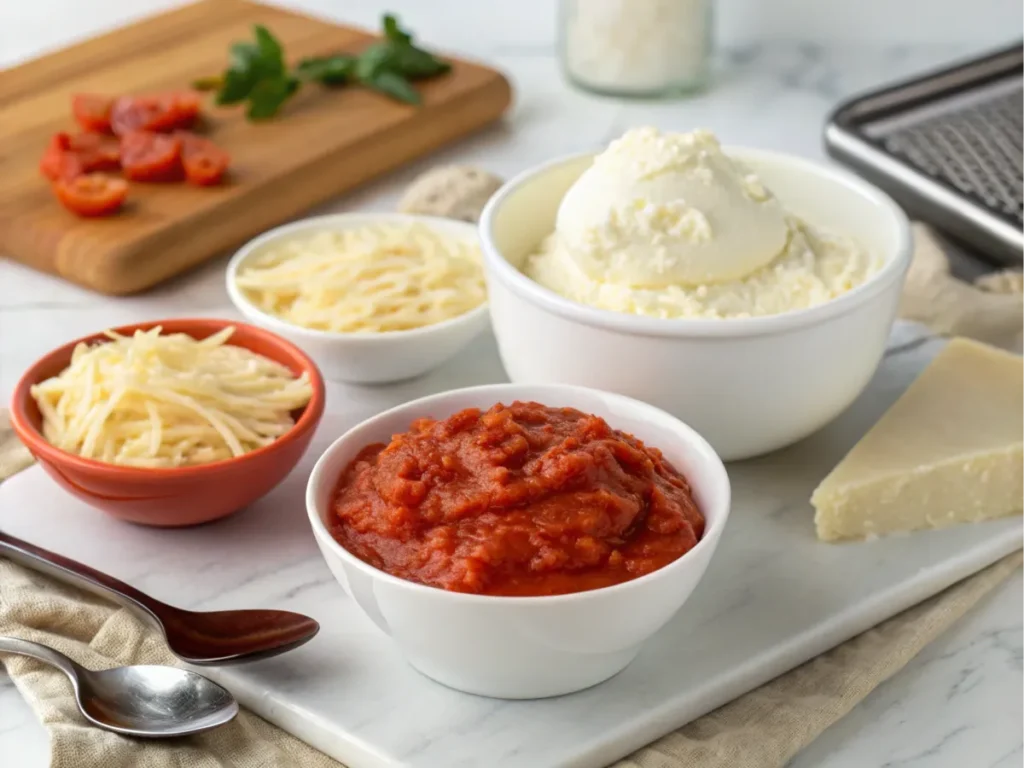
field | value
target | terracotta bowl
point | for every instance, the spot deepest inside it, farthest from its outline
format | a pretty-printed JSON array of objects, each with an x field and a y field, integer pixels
[{"x": 179, "y": 496}]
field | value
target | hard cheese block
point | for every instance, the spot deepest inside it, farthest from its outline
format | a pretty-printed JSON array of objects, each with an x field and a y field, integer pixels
[{"x": 948, "y": 451}]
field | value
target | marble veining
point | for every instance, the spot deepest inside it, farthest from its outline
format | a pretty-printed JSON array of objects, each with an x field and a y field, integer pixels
[{"x": 957, "y": 704}]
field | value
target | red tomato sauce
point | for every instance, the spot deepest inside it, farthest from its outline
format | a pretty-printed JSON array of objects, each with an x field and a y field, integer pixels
[{"x": 518, "y": 500}]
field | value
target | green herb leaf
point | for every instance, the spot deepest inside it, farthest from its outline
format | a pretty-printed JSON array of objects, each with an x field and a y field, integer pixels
[
  {"x": 416, "y": 63},
  {"x": 244, "y": 71},
  {"x": 392, "y": 31},
  {"x": 393, "y": 85},
  {"x": 403, "y": 57},
  {"x": 268, "y": 95},
  {"x": 257, "y": 72},
  {"x": 271, "y": 55},
  {"x": 329, "y": 70},
  {"x": 236, "y": 87},
  {"x": 376, "y": 58},
  {"x": 242, "y": 56}
]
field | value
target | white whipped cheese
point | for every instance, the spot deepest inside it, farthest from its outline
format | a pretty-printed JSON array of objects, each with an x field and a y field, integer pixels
[{"x": 667, "y": 225}]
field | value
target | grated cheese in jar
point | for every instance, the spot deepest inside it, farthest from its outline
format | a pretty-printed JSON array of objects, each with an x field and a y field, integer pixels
[{"x": 636, "y": 47}]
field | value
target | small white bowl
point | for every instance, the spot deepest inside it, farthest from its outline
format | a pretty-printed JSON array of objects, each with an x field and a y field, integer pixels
[
  {"x": 749, "y": 385},
  {"x": 525, "y": 647},
  {"x": 364, "y": 358}
]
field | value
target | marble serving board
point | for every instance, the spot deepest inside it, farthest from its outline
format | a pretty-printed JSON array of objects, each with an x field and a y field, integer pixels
[{"x": 772, "y": 598}]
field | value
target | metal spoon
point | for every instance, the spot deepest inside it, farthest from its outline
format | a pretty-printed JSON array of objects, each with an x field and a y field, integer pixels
[
  {"x": 200, "y": 638},
  {"x": 146, "y": 700}
]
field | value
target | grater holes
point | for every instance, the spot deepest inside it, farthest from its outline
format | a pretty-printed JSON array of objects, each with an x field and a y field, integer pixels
[{"x": 976, "y": 150}]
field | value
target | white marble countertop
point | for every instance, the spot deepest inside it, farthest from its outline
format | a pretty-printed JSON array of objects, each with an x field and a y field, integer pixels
[{"x": 780, "y": 68}]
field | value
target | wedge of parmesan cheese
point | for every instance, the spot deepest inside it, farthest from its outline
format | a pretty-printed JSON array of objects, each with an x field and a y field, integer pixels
[{"x": 948, "y": 451}]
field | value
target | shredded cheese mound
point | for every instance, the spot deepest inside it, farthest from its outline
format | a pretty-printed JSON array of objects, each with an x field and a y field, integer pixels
[
  {"x": 370, "y": 279},
  {"x": 151, "y": 400}
]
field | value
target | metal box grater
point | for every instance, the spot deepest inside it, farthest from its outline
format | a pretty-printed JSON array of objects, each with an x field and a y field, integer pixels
[{"x": 948, "y": 147}]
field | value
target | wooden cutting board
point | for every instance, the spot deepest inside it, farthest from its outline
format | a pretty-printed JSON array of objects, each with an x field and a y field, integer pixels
[{"x": 322, "y": 143}]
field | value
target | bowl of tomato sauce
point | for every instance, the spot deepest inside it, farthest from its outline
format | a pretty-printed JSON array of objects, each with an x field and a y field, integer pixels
[{"x": 519, "y": 541}]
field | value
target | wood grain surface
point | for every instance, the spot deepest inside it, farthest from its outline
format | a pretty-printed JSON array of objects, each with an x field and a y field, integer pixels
[{"x": 322, "y": 143}]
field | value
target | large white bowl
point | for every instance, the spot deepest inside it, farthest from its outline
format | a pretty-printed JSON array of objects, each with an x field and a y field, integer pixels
[
  {"x": 525, "y": 647},
  {"x": 363, "y": 358},
  {"x": 749, "y": 385}
]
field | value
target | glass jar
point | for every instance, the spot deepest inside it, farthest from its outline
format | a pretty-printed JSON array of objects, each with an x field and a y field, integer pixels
[{"x": 642, "y": 48}]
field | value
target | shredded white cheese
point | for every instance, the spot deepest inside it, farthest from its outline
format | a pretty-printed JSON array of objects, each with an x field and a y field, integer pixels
[
  {"x": 151, "y": 400},
  {"x": 367, "y": 280}
]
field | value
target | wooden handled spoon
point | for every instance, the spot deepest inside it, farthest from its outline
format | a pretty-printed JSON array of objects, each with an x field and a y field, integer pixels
[{"x": 200, "y": 638}]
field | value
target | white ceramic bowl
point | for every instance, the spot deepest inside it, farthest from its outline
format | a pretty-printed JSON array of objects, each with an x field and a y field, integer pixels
[
  {"x": 372, "y": 358},
  {"x": 525, "y": 647},
  {"x": 748, "y": 385}
]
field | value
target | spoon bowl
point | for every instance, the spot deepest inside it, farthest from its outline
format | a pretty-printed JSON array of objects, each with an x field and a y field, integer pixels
[
  {"x": 201, "y": 638},
  {"x": 146, "y": 701},
  {"x": 153, "y": 701},
  {"x": 208, "y": 638}
]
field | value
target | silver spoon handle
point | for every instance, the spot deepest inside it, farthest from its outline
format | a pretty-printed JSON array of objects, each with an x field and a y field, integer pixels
[
  {"x": 77, "y": 574},
  {"x": 42, "y": 653}
]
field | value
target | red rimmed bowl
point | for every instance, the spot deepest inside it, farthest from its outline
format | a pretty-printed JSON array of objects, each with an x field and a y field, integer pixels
[{"x": 183, "y": 495}]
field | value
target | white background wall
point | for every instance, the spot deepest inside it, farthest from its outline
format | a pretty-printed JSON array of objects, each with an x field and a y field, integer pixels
[
  {"x": 878, "y": 21},
  {"x": 827, "y": 22}
]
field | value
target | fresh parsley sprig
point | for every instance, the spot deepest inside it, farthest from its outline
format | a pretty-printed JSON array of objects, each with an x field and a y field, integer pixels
[{"x": 257, "y": 73}]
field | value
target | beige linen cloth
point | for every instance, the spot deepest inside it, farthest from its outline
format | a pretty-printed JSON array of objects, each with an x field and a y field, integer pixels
[{"x": 762, "y": 729}]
